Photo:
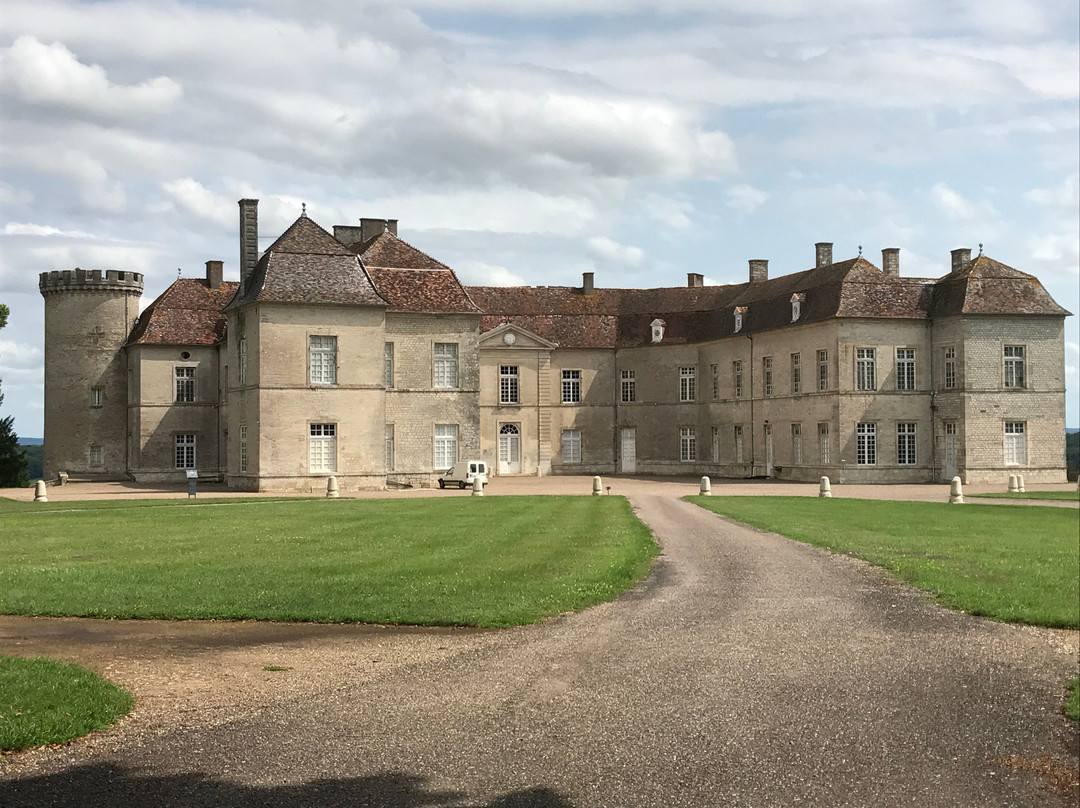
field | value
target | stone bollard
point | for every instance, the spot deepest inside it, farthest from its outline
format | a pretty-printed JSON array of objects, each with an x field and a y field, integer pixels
[
  {"x": 1020, "y": 483},
  {"x": 825, "y": 490},
  {"x": 477, "y": 487},
  {"x": 331, "y": 488},
  {"x": 39, "y": 492},
  {"x": 597, "y": 486},
  {"x": 706, "y": 487},
  {"x": 1014, "y": 486},
  {"x": 956, "y": 492}
]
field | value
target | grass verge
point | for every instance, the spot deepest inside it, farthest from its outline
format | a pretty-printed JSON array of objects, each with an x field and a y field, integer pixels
[
  {"x": 43, "y": 701},
  {"x": 1064, "y": 496},
  {"x": 494, "y": 561},
  {"x": 1011, "y": 564},
  {"x": 1072, "y": 701}
]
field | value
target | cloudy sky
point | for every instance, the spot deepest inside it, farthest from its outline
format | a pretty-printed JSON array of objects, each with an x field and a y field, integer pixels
[{"x": 529, "y": 141}]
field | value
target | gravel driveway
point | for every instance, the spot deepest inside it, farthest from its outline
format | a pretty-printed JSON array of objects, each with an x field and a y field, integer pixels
[{"x": 748, "y": 670}]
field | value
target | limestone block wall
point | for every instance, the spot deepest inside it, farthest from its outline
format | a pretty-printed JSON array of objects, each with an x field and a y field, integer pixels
[
  {"x": 528, "y": 415},
  {"x": 241, "y": 416},
  {"x": 593, "y": 416}
]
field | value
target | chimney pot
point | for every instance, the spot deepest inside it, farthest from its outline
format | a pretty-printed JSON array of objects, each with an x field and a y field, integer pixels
[
  {"x": 961, "y": 257},
  {"x": 823, "y": 253},
  {"x": 695, "y": 280},
  {"x": 587, "y": 287},
  {"x": 249, "y": 240},
  {"x": 759, "y": 270},
  {"x": 890, "y": 261},
  {"x": 215, "y": 274}
]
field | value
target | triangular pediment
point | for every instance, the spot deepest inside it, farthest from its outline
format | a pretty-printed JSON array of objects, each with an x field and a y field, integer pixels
[{"x": 509, "y": 335}]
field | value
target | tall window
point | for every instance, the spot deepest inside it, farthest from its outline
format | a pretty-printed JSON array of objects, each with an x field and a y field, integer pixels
[
  {"x": 508, "y": 384},
  {"x": 185, "y": 451},
  {"x": 1015, "y": 443},
  {"x": 905, "y": 444},
  {"x": 950, "y": 368},
  {"x": 628, "y": 385},
  {"x": 716, "y": 444},
  {"x": 866, "y": 444},
  {"x": 571, "y": 446},
  {"x": 766, "y": 375},
  {"x": 687, "y": 383},
  {"x": 389, "y": 447},
  {"x": 865, "y": 369},
  {"x": 714, "y": 372},
  {"x": 446, "y": 443},
  {"x": 96, "y": 397},
  {"x": 185, "y": 384},
  {"x": 323, "y": 359},
  {"x": 738, "y": 435},
  {"x": 446, "y": 366},
  {"x": 322, "y": 447},
  {"x": 905, "y": 368},
  {"x": 388, "y": 365},
  {"x": 97, "y": 456},
  {"x": 736, "y": 376},
  {"x": 687, "y": 444},
  {"x": 822, "y": 371},
  {"x": 571, "y": 386},
  {"x": 823, "y": 443},
  {"x": 796, "y": 373},
  {"x": 243, "y": 448},
  {"x": 796, "y": 443},
  {"x": 1014, "y": 366},
  {"x": 241, "y": 364}
]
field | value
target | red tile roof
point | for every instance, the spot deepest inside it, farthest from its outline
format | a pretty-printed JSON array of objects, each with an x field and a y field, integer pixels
[{"x": 189, "y": 312}]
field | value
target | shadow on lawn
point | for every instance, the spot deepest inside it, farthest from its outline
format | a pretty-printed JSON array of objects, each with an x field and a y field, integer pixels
[{"x": 109, "y": 785}]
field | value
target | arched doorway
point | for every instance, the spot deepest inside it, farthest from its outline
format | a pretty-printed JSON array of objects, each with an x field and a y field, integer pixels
[{"x": 509, "y": 449}]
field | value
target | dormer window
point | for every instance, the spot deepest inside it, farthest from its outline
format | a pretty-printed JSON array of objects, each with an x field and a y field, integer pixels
[
  {"x": 739, "y": 312},
  {"x": 796, "y": 305},
  {"x": 657, "y": 327}
]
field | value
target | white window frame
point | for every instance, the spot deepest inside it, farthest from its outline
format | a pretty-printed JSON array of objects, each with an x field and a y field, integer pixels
[
  {"x": 737, "y": 378},
  {"x": 1015, "y": 359},
  {"x": 571, "y": 446},
  {"x": 322, "y": 359},
  {"x": 687, "y": 444},
  {"x": 905, "y": 368},
  {"x": 824, "y": 447},
  {"x": 388, "y": 365},
  {"x": 97, "y": 397},
  {"x": 241, "y": 363},
  {"x": 322, "y": 448},
  {"x": 822, "y": 370},
  {"x": 949, "y": 380},
  {"x": 766, "y": 375},
  {"x": 866, "y": 443},
  {"x": 185, "y": 383},
  {"x": 445, "y": 366},
  {"x": 906, "y": 443},
  {"x": 243, "y": 464},
  {"x": 1014, "y": 448},
  {"x": 687, "y": 383},
  {"x": 627, "y": 386},
  {"x": 184, "y": 450},
  {"x": 389, "y": 447},
  {"x": 714, "y": 373},
  {"x": 571, "y": 387},
  {"x": 509, "y": 385},
  {"x": 737, "y": 436},
  {"x": 446, "y": 446},
  {"x": 866, "y": 369},
  {"x": 97, "y": 456},
  {"x": 796, "y": 373},
  {"x": 716, "y": 444},
  {"x": 796, "y": 444}
]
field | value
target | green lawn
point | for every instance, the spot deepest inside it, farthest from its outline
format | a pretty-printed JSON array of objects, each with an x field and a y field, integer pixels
[
  {"x": 44, "y": 701},
  {"x": 1066, "y": 496},
  {"x": 493, "y": 561},
  {"x": 1012, "y": 564},
  {"x": 1072, "y": 702}
]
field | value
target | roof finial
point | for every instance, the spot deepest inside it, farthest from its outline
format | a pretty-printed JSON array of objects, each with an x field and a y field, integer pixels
[
  {"x": 178, "y": 272},
  {"x": 980, "y": 248},
  {"x": 303, "y": 210},
  {"x": 860, "y": 251}
]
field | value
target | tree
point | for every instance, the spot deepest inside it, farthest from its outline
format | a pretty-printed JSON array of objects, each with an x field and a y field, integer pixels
[{"x": 12, "y": 458}]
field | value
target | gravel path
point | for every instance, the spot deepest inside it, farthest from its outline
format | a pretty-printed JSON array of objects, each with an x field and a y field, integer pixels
[{"x": 747, "y": 671}]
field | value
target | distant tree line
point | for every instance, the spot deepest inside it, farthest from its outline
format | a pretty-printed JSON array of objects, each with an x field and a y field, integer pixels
[{"x": 33, "y": 455}]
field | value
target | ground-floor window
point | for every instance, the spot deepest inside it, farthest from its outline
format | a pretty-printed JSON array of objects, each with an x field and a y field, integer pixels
[
  {"x": 185, "y": 451},
  {"x": 322, "y": 448},
  {"x": 738, "y": 443},
  {"x": 1015, "y": 443},
  {"x": 97, "y": 456},
  {"x": 389, "y": 446},
  {"x": 687, "y": 444},
  {"x": 571, "y": 446},
  {"x": 243, "y": 448},
  {"x": 823, "y": 443},
  {"x": 446, "y": 446},
  {"x": 716, "y": 444},
  {"x": 866, "y": 444},
  {"x": 796, "y": 443},
  {"x": 905, "y": 444}
]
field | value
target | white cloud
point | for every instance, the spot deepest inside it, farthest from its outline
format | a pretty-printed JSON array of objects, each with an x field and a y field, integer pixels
[
  {"x": 745, "y": 198},
  {"x": 1065, "y": 195},
  {"x": 956, "y": 207},
  {"x": 671, "y": 211},
  {"x": 609, "y": 253},
  {"x": 19, "y": 355},
  {"x": 190, "y": 195},
  {"x": 478, "y": 273},
  {"x": 28, "y": 229}
]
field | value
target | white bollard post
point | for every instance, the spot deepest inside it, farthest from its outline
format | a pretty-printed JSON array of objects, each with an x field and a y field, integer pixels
[
  {"x": 39, "y": 492},
  {"x": 597, "y": 486},
  {"x": 1014, "y": 486},
  {"x": 1020, "y": 482},
  {"x": 477, "y": 487},
  {"x": 706, "y": 487},
  {"x": 956, "y": 492},
  {"x": 825, "y": 490},
  {"x": 331, "y": 488}
]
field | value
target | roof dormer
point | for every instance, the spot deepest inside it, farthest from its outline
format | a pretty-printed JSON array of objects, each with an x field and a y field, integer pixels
[
  {"x": 797, "y": 300},
  {"x": 657, "y": 327},
  {"x": 739, "y": 312}
]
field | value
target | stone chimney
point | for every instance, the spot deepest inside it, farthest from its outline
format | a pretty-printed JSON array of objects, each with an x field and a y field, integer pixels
[
  {"x": 823, "y": 253},
  {"x": 759, "y": 270},
  {"x": 694, "y": 280},
  {"x": 890, "y": 261},
  {"x": 369, "y": 228},
  {"x": 249, "y": 240},
  {"x": 587, "y": 287},
  {"x": 215, "y": 274},
  {"x": 961, "y": 257}
]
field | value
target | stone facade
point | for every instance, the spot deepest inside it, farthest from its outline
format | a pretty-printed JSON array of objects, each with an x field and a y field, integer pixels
[{"x": 358, "y": 356}]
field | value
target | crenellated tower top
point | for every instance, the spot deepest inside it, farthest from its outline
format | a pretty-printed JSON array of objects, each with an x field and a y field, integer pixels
[{"x": 90, "y": 280}]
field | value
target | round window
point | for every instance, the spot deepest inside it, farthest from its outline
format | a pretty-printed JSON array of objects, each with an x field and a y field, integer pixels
[{"x": 185, "y": 355}]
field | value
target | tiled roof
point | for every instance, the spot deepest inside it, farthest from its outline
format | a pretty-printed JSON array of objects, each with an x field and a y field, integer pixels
[
  {"x": 387, "y": 250},
  {"x": 986, "y": 286},
  {"x": 308, "y": 265},
  {"x": 422, "y": 290},
  {"x": 189, "y": 312}
]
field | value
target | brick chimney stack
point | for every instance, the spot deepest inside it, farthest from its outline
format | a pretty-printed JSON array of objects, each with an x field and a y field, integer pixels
[
  {"x": 215, "y": 274},
  {"x": 587, "y": 287},
  {"x": 961, "y": 257},
  {"x": 890, "y": 261},
  {"x": 823, "y": 253},
  {"x": 759, "y": 270},
  {"x": 249, "y": 240},
  {"x": 695, "y": 279}
]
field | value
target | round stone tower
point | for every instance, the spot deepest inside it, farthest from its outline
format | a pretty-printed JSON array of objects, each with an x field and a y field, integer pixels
[{"x": 88, "y": 317}]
